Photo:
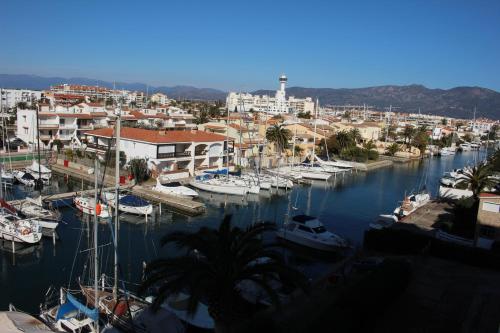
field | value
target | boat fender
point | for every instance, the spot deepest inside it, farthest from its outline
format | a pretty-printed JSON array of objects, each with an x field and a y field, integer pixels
[
  {"x": 25, "y": 232},
  {"x": 98, "y": 209},
  {"x": 120, "y": 309}
]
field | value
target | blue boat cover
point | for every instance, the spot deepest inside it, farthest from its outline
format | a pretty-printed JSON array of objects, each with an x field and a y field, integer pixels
[
  {"x": 133, "y": 201},
  {"x": 217, "y": 172},
  {"x": 72, "y": 304}
]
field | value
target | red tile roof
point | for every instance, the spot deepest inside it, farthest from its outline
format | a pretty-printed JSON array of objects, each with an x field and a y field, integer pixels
[
  {"x": 489, "y": 195},
  {"x": 152, "y": 136}
]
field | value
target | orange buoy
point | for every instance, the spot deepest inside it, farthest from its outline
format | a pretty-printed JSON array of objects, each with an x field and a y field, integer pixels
[{"x": 98, "y": 209}]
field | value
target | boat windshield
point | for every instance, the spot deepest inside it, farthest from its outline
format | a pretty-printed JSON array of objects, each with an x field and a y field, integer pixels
[{"x": 319, "y": 230}]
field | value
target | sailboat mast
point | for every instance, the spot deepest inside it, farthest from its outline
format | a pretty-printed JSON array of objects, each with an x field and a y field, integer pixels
[
  {"x": 39, "y": 181},
  {"x": 117, "y": 196},
  {"x": 96, "y": 259},
  {"x": 227, "y": 143},
  {"x": 314, "y": 135}
]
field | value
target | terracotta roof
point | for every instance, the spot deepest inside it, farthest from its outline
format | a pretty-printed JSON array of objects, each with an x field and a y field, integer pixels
[
  {"x": 152, "y": 136},
  {"x": 489, "y": 195},
  {"x": 215, "y": 127}
]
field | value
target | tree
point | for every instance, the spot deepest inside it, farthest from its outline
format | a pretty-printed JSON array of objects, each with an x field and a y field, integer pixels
[
  {"x": 467, "y": 137},
  {"x": 215, "y": 264},
  {"x": 22, "y": 105},
  {"x": 110, "y": 157},
  {"x": 369, "y": 145},
  {"x": 408, "y": 133},
  {"x": 392, "y": 149},
  {"x": 355, "y": 135},
  {"x": 494, "y": 160},
  {"x": 139, "y": 168},
  {"x": 492, "y": 133},
  {"x": 58, "y": 144},
  {"x": 280, "y": 136},
  {"x": 444, "y": 121},
  {"x": 477, "y": 178},
  {"x": 298, "y": 151},
  {"x": 420, "y": 140},
  {"x": 202, "y": 118},
  {"x": 304, "y": 115},
  {"x": 69, "y": 154},
  {"x": 344, "y": 139}
]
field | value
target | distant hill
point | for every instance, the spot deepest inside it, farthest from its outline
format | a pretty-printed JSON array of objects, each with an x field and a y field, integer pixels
[
  {"x": 456, "y": 102},
  {"x": 177, "y": 92}
]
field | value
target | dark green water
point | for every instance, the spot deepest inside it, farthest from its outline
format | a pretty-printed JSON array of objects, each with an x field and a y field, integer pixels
[{"x": 345, "y": 205}]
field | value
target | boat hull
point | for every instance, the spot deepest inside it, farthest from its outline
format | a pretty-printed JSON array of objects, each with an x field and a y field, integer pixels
[
  {"x": 222, "y": 189},
  {"x": 322, "y": 246}
]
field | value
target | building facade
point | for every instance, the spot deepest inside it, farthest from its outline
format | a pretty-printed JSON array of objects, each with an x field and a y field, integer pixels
[{"x": 9, "y": 98}]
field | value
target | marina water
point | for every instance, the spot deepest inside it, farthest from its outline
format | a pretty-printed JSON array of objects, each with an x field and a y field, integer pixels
[{"x": 346, "y": 205}]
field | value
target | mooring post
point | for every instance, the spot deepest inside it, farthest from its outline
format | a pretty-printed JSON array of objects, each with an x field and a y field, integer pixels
[{"x": 54, "y": 237}]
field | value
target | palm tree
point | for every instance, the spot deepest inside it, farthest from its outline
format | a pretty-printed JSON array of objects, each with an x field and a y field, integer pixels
[
  {"x": 369, "y": 145},
  {"x": 280, "y": 136},
  {"x": 392, "y": 149},
  {"x": 477, "y": 178},
  {"x": 343, "y": 139},
  {"x": 215, "y": 264},
  {"x": 408, "y": 134},
  {"x": 355, "y": 135}
]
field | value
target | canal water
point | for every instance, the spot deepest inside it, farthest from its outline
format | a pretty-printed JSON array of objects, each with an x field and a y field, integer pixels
[{"x": 346, "y": 205}]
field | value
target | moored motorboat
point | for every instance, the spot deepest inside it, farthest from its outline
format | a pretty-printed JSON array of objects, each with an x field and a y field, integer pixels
[
  {"x": 309, "y": 231},
  {"x": 411, "y": 203},
  {"x": 384, "y": 221},
  {"x": 24, "y": 178},
  {"x": 12, "y": 228}
]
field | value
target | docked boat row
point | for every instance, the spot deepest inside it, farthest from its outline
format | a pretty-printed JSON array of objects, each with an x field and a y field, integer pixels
[{"x": 32, "y": 173}]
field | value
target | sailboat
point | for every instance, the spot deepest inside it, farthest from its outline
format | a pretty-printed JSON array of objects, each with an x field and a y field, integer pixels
[
  {"x": 69, "y": 314},
  {"x": 129, "y": 203},
  {"x": 89, "y": 205},
  {"x": 175, "y": 189}
]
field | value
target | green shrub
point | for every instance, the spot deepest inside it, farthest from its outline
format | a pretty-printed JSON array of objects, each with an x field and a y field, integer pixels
[
  {"x": 372, "y": 155},
  {"x": 354, "y": 154}
]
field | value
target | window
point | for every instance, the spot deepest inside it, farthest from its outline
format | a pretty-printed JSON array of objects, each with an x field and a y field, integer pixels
[
  {"x": 306, "y": 229},
  {"x": 491, "y": 207},
  {"x": 25, "y": 131},
  {"x": 319, "y": 230}
]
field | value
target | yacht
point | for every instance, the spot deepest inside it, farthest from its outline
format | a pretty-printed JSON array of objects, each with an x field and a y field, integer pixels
[
  {"x": 466, "y": 146},
  {"x": 337, "y": 164},
  {"x": 411, "y": 203},
  {"x": 24, "y": 178},
  {"x": 86, "y": 205},
  {"x": 129, "y": 203},
  {"x": 175, "y": 189},
  {"x": 309, "y": 231},
  {"x": 33, "y": 208},
  {"x": 19, "y": 230}
]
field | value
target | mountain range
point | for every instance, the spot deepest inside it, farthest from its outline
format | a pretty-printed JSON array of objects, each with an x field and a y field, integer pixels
[{"x": 456, "y": 102}]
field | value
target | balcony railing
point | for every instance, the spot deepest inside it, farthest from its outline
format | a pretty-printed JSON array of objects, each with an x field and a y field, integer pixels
[
  {"x": 94, "y": 146},
  {"x": 186, "y": 153}
]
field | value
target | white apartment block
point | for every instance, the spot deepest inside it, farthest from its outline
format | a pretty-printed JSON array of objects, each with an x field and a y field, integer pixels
[
  {"x": 159, "y": 98},
  {"x": 279, "y": 104},
  {"x": 9, "y": 98}
]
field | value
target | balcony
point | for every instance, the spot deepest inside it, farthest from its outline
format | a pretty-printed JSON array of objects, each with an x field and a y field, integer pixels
[
  {"x": 48, "y": 126},
  {"x": 186, "y": 153},
  {"x": 97, "y": 147},
  {"x": 68, "y": 126}
]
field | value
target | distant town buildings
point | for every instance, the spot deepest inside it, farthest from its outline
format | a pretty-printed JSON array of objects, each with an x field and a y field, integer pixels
[
  {"x": 9, "y": 98},
  {"x": 279, "y": 104}
]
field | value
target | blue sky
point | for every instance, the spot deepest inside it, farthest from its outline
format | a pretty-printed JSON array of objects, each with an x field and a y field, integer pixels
[{"x": 245, "y": 45}]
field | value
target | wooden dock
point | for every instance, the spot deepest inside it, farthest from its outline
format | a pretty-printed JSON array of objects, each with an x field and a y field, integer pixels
[{"x": 79, "y": 172}]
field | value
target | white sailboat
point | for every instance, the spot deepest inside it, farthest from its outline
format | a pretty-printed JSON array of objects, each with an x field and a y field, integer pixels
[
  {"x": 217, "y": 185},
  {"x": 18, "y": 230},
  {"x": 129, "y": 203},
  {"x": 175, "y": 189},
  {"x": 88, "y": 205},
  {"x": 411, "y": 203},
  {"x": 38, "y": 170}
]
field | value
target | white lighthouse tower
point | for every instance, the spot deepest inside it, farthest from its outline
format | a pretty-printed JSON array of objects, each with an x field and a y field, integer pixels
[{"x": 281, "y": 103}]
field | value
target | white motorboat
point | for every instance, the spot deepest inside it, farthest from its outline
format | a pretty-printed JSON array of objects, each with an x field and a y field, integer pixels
[
  {"x": 309, "y": 231},
  {"x": 384, "y": 221},
  {"x": 175, "y": 189},
  {"x": 87, "y": 206},
  {"x": 37, "y": 170},
  {"x": 411, "y": 203},
  {"x": 465, "y": 146},
  {"x": 285, "y": 173},
  {"x": 447, "y": 151},
  {"x": 218, "y": 186},
  {"x": 178, "y": 304},
  {"x": 129, "y": 203},
  {"x": 24, "y": 178},
  {"x": 475, "y": 146},
  {"x": 19, "y": 230}
]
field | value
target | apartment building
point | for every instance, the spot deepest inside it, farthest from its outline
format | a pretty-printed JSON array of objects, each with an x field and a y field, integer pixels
[
  {"x": 488, "y": 220},
  {"x": 9, "y": 98},
  {"x": 166, "y": 151}
]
